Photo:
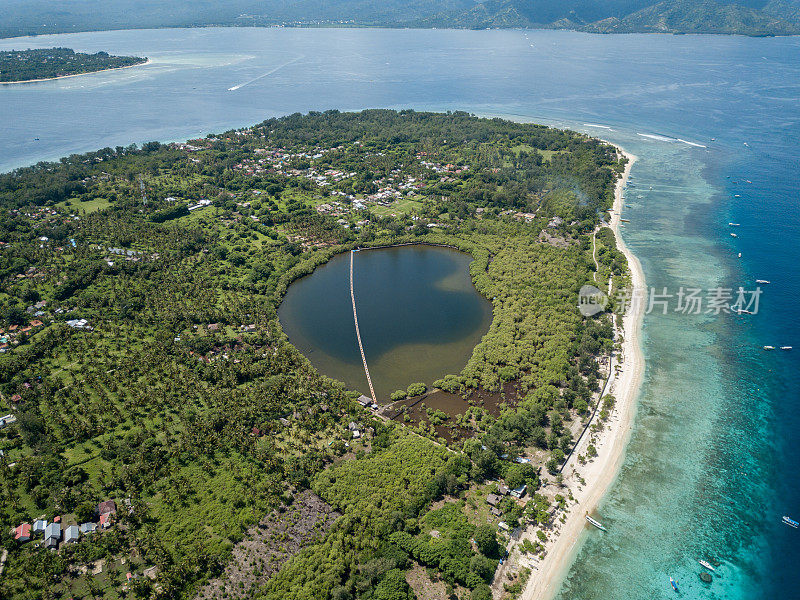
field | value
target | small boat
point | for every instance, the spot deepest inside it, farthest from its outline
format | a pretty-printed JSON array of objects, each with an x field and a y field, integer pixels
[
  {"x": 733, "y": 224},
  {"x": 769, "y": 347},
  {"x": 740, "y": 311},
  {"x": 746, "y": 144},
  {"x": 734, "y": 235},
  {"x": 791, "y": 522},
  {"x": 625, "y": 220},
  {"x": 673, "y": 583},
  {"x": 764, "y": 281},
  {"x": 740, "y": 255},
  {"x": 596, "y": 523},
  {"x": 737, "y": 195},
  {"x": 706, "y": 564},
  {"x": 786, "y": 347}
]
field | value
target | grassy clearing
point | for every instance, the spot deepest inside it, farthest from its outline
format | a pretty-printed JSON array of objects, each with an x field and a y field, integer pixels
[{"x": 89, "y": 206}]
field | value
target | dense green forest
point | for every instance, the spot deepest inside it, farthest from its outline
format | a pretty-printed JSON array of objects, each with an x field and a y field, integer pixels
[
  {"x": 746, "y": 17},
  {"x": 143, "y": 361},
  {"x": 46, "y": 63}
]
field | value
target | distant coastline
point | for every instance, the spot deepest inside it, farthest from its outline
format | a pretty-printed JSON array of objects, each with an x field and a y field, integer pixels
[
  {"x": 601, "y": 472},
  {"x": 147, "y": 61}
]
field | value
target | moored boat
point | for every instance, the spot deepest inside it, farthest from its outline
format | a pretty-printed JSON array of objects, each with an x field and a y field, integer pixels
[
  {"x": 673, "y": 583},
  {"x": 733, "y": 224},
  {"x": 786, "y": 347},
  {"x": 595, "y": 523},
  {"x": 706, "y": 564},
  {"x": 791, "y": 522},
  {"x": 762, "y": 281}
]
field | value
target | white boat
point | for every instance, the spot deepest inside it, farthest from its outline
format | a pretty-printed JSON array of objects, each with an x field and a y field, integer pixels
[
  {"x": 791, "y": 522},
  {"x": 740, "y": 311},
  {"x": 734, "y": 235},
  {"x": 706, "y": 564},
  {"x": 596, "y": 523},
  {"x": 769, "y": 347},
  {"x": 764, "y": 281},
  {"x": 733, "y": 224},
  {"x": 786, "y": 347}
]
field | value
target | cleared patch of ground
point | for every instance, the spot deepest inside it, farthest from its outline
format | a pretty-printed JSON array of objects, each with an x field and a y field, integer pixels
[
  {"x": 554, "y": 240},
  {"x": 417, "y": 577},
  {"x": 268, "y": 545}
]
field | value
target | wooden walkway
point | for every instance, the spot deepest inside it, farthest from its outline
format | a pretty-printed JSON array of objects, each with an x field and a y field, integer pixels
[{"x": 358, "y": 333}]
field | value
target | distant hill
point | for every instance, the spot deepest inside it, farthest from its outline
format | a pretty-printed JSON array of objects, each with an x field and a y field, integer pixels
[
  {"x": 748, "y": 17},
  {"x": 688, "y": 16}
]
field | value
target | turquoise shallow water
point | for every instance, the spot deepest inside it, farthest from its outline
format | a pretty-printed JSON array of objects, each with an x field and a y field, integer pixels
[{"x": 710, "y": 467}]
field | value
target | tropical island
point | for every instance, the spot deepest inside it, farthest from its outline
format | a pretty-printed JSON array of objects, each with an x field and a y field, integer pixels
[
  {"x": 164, "y": 436},
  {"x": 52, "y": 63},
  {"x": 741, "y": 17}
]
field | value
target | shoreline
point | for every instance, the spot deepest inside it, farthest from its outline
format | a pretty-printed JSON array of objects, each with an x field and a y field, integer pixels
[
  {"x": 562, "y": 545},
  {"x": 141, "y": 64}
]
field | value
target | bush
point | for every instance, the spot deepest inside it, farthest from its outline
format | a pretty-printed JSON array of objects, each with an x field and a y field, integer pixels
[
  {"x": 393, "y": 586},
  {"x": 398, "y": 395},
  {"x": 481, "y": 592},
  {"x": 416, "y": 389},
  {"x": 483, "y": 567},
  {"x": 85, "y": 512},
  {"x": 486, "y": 540}
]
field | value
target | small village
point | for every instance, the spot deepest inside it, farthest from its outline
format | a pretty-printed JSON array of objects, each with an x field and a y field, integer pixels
[{"x": 58, "y": 532}]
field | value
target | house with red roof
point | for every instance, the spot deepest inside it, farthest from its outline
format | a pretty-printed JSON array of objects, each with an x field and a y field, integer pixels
[
  {"x": 108, "y": 506},
  {"x": 23, "y": 532}
]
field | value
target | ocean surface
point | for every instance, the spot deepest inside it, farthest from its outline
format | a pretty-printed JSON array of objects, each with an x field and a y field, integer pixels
[
  {"x": 712, "y": 462},
  {"x": 419, "y": 316}
]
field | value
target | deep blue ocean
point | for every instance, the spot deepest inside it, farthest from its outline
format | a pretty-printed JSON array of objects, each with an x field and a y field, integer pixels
[{"x": 715, "y": 122}]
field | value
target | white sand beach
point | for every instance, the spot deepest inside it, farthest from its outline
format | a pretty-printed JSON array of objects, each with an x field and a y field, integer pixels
[{"x": 600, "y": 473}]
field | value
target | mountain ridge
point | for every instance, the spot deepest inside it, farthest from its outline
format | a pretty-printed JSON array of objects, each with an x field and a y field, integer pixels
[{"x": 746, "y": 17}]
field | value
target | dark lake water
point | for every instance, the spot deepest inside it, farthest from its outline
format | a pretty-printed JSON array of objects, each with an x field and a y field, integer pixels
[{"x": 418, "y": 312}]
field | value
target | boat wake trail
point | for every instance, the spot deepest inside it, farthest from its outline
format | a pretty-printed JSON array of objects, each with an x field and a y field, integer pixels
[
  {"x": 696, "y": 145},
  {"x": 664, "y": 138},
  {"x": 276, "y": 69}
]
